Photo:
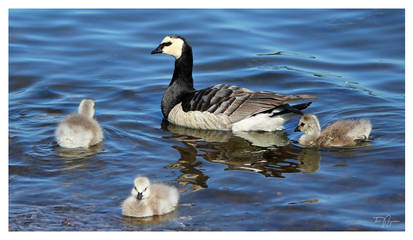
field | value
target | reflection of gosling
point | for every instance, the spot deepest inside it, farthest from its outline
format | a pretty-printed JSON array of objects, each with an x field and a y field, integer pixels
[
  {"x": 80, "y": 129},
  {"x": 148, "y": 199},
  {"x": 339, "y": 134}
]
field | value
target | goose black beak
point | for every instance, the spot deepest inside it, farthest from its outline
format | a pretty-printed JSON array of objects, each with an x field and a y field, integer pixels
[
  {"x": 297, "y": 129},
  {"x": 139, "y": 196},
  {"x": 157, "y": 50}
]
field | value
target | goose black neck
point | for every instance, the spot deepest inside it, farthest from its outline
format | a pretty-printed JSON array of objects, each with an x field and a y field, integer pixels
[
  {"x": 183, "y": 70},
  {"x": 181, "y": 84}
]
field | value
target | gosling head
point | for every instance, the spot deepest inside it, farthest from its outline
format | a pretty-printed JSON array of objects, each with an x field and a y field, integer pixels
[
  {"x": 172, "y": 45},
  {"x": 308, "y": 124},
  {"x": 87, "y": 108},
  {"x": 141, "y": 190}
]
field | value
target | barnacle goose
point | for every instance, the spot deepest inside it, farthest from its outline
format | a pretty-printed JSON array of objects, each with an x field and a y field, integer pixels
[
  {"x": 342, "y": 133},
  {"x": 80, "y": 129},
  {"x": 150, "y": 199},
  {"x": 223, "y": 106}
]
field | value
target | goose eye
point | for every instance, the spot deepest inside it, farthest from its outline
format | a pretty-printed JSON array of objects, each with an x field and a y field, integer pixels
[{"x": 167, "y": 44}]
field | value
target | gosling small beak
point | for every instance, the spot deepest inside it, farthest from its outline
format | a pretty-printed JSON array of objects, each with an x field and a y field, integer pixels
[
  {"x": 139, "y": 197},
  {"x": 157, "y": 50},
  {"x": 297, "y": 129}
]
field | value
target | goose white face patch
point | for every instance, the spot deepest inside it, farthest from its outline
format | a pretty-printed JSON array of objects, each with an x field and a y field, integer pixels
[{"x": 175, "y": 48}]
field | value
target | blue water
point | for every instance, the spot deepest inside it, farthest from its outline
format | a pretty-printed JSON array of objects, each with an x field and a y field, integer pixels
[{"x": 353, "y": 60}]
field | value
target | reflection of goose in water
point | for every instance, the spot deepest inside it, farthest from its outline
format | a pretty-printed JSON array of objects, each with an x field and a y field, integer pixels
[
  {"x": 77, "y": 158},
  {"x": 74, "y": 158},
  {"x": 188, "y": 164},
  {"x": 149, "y": 220},
  {"x": 260, "y": 139},
  {"x": 265, "y": 139},
  {"x": 309, "y": 160},
  {"x": 238, "y": 153},
  {"x": 79, "y": 153}
]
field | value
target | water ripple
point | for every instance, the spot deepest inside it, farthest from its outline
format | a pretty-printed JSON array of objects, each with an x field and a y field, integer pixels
[{"x": 353, "y": 60}]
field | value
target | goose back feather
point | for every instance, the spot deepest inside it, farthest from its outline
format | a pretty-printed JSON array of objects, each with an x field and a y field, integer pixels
[{"x": 236, "y": 102}]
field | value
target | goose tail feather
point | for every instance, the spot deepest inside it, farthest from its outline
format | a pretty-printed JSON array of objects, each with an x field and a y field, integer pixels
[{"x": 294, "y": 109}]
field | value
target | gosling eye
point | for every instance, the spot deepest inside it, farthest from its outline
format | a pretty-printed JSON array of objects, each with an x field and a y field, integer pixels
[
  {"x": 135, "y": 188},
  {"x": 302, "y": 124},
  {"x": 145, "y": 189}
]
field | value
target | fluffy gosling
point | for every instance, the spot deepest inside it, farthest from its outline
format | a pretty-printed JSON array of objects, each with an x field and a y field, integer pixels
[
  {"x": 342, "y": 133},
  {"x": 80, "y": 129},
  {"x": 148, "y": 199}
]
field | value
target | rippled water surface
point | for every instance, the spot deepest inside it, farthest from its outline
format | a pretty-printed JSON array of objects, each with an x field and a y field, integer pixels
[{"x": 352, "y": 59}]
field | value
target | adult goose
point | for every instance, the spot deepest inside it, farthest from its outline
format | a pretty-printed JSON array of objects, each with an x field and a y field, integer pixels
[{"x": 223, "y": 106}]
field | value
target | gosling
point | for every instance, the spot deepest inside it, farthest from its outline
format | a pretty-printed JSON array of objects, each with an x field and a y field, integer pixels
[
  {"x": 148, "y": 199},
  {"x": 342, "y": 133},
  {"x": 80, "y": 130}
]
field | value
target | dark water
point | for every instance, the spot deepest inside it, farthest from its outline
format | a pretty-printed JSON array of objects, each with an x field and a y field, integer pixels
[{"x": 352, "y": 59}]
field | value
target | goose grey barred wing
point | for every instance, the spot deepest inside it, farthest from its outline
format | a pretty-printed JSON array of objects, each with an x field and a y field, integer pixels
[{"x": 236, "y": 102}]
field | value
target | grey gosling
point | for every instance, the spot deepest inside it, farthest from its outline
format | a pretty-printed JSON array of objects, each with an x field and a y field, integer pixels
[
  {"x": 148, "y": 199},
  {"x": 80, "y": 129},
  {"x": 223, "y": 106},
  {"x": 342, "y": 133}
]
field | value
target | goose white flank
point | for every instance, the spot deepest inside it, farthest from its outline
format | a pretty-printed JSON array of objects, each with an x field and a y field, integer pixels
[
  {"x": 342, "y": 133},
  {"x": 150, "y": 199},
  {"x": 80, "y": 129},
  {"x": 223, "y": 106}
]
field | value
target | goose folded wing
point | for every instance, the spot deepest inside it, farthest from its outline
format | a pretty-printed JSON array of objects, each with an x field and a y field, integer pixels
[{"x": 236, "y": 102}]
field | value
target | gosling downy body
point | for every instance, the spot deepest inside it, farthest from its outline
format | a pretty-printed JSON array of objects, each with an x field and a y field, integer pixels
[
  {"x": 342, "y": 133},
  {"x": 223, "y": 106},
  {"x": 80, "y": 129},
  {"x": 150, "y": 199}
]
